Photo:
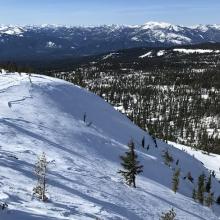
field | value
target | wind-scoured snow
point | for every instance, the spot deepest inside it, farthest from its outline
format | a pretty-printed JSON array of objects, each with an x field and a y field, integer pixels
[{"x": 47, "y": 116}]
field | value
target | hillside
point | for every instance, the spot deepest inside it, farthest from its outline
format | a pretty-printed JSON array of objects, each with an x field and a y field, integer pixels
[
  {"x": 47, "y": 116},
  {"x": 173, "y": 92}
]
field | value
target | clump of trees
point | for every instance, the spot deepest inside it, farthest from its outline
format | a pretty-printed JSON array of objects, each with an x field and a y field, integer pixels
[
  {"x": 131, "y": 166},
  {"x": 14, "y": 67},
  {"x": 203, "y": 193}
]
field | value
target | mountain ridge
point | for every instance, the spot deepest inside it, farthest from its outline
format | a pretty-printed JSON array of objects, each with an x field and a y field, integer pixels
[{"x": 50, "y": 42}]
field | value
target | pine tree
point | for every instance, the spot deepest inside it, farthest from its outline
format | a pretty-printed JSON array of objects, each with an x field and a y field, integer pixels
[
  {"x": 209, "y": 199},
  {"x": 167, "y": 158},
  {"x": 40, "y": 172},
  {"x": 208, "y": 184},
  {"x": 131, "y": 165},
  {"x": 201, "y": 188},
  {"x": 194, "y": 194},
  {"x": 175, "y": 180}
]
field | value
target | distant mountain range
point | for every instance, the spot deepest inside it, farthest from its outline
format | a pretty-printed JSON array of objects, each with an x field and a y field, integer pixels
[{"x": 50, "y": 42}]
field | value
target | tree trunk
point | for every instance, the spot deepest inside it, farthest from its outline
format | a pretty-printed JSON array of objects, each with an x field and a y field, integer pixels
[{"x": 134, "y": 183}]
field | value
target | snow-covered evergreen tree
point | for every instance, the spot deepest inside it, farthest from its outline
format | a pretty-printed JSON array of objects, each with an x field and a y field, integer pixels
[
  {"x": 131, "y": 165},
  {"x": 40, "y": 172}
]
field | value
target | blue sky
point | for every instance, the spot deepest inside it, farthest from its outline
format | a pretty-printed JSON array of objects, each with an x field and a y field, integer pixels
[{"x": 94, "y": 12}]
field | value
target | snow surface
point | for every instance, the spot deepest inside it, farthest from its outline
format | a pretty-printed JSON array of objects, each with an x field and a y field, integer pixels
[
  {"x": 211, "y": 161},
  {"x": 160, "y": 53},
  {"x": 109, "y": 55},
  {"x": 199, "y": 51},
  {"x": 51, "y": 44},
  {"x": 148, "y": 54},
  {"x": 205, "y": 28},
  {"x": 158, "y": 25},
  {"x": 47, "y": 116}
]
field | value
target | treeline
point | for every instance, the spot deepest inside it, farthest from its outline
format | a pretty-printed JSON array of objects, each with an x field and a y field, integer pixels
[{"x": 14, "y": 67}]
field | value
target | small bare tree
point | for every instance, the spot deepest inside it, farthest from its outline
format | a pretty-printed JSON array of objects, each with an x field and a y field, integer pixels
[
  {"x": 40, "y": 172},
  {"x": 29, "y": 77}
]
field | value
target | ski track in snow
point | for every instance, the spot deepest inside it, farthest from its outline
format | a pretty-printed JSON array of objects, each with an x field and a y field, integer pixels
[{"x": 83, "y": 182}]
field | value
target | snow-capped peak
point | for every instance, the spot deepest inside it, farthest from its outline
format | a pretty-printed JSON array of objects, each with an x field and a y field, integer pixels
[
  {"x": 11, "y": 30},
  {"x": 205, "y": 28},
  {"x": 156, "y": 25},
  {"x": 215, "y": 26}
]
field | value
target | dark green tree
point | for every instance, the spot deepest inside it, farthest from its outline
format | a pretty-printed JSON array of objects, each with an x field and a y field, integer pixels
[
  {"x": 167, "y": 158},
  {"x": 201, "y": 188},
  {"x": 175, "y": 180},
  {"x": 209, "y": 184},
  {"x": 131, "y": 165}
]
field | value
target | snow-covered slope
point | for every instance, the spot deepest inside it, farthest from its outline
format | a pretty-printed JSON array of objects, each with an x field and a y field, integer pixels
[
  {"x": 210, "y": 161},
  {"x": 83, "y": 183}
]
